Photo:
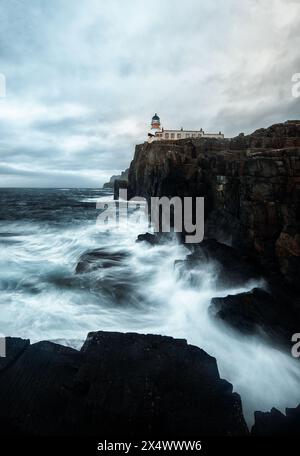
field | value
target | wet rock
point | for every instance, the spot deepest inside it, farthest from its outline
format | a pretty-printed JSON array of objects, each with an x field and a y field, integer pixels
[
  {"x": 99, "y": 259},
  {"x": 258, "y": 312},
  {"x": 120, "y": 384},
  {"x": 230, "y": 268},
  {"x": 157, "y": 238},
  {"x": 107, "y": 274},
  {"x": 151, "y": 239},
  {"x": 275, "y": 423}
]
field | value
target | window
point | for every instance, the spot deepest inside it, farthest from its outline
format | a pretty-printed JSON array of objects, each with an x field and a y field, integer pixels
[
  {"x": 178, "y": 136},
  {"x": 172, "y": 135},
  {"x": 167, "y": 135},
  {"x": 193, "y": 135},
  {"x": 188, "y": 135}
]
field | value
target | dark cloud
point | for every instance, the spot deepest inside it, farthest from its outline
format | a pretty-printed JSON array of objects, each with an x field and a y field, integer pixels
[{"x": 84, "y": 78}]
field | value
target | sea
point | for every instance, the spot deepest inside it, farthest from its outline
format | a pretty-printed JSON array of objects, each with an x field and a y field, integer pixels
[{"x": 44, "y": 232}]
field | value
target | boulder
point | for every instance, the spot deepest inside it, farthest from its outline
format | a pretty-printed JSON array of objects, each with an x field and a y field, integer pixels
[
  {"x": 258, "y": 312},
  {"x": 118, "y": 384},
  {"x": 157, "y": 238},
  {"x": 151, "y": 239}
]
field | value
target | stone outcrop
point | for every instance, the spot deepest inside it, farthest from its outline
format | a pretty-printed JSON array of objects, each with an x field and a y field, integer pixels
[
  {"x": 117, "y": 384},
  {"x": 230, "y": 268},
  {"x": 258, "y": 312}
]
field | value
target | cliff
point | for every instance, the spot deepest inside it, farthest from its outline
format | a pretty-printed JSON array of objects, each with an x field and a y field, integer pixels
[{"x": 251, "y": 186}]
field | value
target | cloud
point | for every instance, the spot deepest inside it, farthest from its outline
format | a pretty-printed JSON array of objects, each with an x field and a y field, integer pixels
[{"x": 84, "y": 78}]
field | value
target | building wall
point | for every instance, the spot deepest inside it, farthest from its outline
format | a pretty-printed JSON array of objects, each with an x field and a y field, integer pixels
[{"x": 184, "y": 134}]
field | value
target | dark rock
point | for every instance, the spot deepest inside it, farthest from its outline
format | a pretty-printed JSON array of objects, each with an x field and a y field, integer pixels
[
  {"x": 288, "y": 253},
  {"x": 157, "y": 238},
  {"x": 118, "y": 384},
  {"x": 258, "y": 312},
  {"x": 230, "y": 267},
  {"x": 118, "y": 185},
  {"x": 99, "y": 259},
  {"x": 106, "y": 273},
  {"x": 149, "y": 238},
  {"x": 14, "y": 347},
  {"x": 275, "y": 423}
]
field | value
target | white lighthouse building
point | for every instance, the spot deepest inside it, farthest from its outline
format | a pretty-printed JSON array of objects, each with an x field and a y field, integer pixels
[{"x": 158, "y": 133}]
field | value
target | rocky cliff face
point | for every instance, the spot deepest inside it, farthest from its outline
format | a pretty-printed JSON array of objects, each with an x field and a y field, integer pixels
[{"x": 251, "y": 186}]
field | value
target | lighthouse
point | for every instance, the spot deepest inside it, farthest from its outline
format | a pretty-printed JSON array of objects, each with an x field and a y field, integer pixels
[
  {"x": 158, "y": 133},
  {"x": 155, "y": 128},
  {"x": 155, "y": 123}
]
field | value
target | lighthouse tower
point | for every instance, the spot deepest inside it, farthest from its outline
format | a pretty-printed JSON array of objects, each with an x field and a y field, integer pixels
[
  {"x": 155, "y": 123},
  {"x": 155, "y": 128}
]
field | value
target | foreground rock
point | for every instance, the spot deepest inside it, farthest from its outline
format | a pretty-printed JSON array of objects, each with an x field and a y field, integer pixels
[
  {"x": 258, "y": 312},
  {"x": 275, "y": 423},
  {"x": 118, "y": 384}
]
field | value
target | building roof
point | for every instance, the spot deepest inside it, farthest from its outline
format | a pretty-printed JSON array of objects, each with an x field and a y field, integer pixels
[
  {"x": 155, "y": 117},
  {"x": 183, "y": 131}
]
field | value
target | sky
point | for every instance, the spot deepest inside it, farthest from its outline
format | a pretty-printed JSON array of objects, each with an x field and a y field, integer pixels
[{"x": 83, "y": 79}]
